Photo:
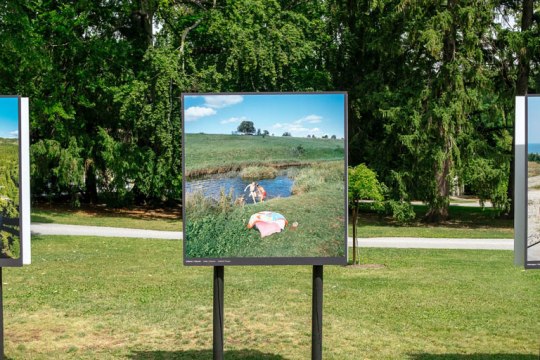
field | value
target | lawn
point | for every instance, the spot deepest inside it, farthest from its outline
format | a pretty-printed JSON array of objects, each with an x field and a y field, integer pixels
[
  {"x": 159, "y": 219},
  {"x": 464, "y": 222},
  {"x": 88, "y": 298},
  {"x": 236, "y": 151}
]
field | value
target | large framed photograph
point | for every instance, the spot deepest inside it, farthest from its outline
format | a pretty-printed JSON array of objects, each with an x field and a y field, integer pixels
[
  {"x": 532, "y": 246},
  {"x": 14, "y": 182},
  {"x": 265, "y": 178}
]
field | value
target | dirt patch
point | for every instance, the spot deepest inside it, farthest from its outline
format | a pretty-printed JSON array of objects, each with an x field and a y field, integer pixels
[{"x": 102, "y": 210}]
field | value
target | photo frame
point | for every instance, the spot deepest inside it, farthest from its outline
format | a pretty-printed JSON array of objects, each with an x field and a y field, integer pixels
[{"x": 264, "y": 178}]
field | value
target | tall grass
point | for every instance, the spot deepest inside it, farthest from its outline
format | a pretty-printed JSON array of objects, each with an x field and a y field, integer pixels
[
  {"x": 258, "y": 172},
  {"x": 317, "y": 176}
]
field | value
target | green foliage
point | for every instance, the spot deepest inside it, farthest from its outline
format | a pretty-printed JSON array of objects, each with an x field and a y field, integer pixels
[
  {"x": 9, "y": 199},
  {"x": 247, "y": 127},
  {"x": 401, "y": 211},
  {"x": 488, "y": 181},
  {"x": 363, "y": 185},
  {"x": 430, "y": 83},
  {"x": 534, "y": 157}
]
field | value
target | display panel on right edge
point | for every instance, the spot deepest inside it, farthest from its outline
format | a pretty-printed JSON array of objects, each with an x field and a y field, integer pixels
[{"x": 532, "y": 248}]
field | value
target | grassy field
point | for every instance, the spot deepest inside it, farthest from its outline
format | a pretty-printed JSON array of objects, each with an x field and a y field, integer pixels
[
  {"x": 161, "y": 219},
  {"x": 241, "y": 151},
  {"x": 464, "y": 222},
  {"x": 103, "y": 298}
]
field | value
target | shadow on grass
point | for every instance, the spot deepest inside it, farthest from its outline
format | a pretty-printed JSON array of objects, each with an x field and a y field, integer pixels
[
  {"x": 41, "y": 219},
  {"x": 459, "y": 217},
  {"x": 424, "y": 356},
  {"x": 245, "y": 354}
]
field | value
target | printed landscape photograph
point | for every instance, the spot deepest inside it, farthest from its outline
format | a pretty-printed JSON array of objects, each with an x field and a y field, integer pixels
[
  {"x": 9, "y": 178},
  {"x": 264, "y": 178},
  {"x": 533, "y": 186}
]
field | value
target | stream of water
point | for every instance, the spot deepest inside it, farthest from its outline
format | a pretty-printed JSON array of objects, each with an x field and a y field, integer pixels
[{"x": 280, "y": 186}]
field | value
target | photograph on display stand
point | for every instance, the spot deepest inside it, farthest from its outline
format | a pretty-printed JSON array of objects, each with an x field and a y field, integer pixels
[
  {"x": 10, "y": 235},
  {"x": 533, "y": 181},
  {"x": 265, "y": 178}
]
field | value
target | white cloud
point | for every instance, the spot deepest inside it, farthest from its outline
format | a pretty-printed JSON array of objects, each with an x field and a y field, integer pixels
[
  {"x": 221, "y": 101},
  {"x": 296, "y": 129},
  {"x": 310, "y": 119},
  {"x": 14, "y": 134},
  {"x": 233, "y": 120},
  {"x": 196, "y": 112}
]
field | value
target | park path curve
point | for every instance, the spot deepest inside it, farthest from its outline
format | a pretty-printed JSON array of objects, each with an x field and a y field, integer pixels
[{"x": 382, "y": 242}]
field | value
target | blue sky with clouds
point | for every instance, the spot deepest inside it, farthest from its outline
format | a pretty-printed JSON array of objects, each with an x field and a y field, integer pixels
[
  {"x": 9, "y": 117},
  {"x": 298, "y": 114},
  {"x": 533, "y": 109}
]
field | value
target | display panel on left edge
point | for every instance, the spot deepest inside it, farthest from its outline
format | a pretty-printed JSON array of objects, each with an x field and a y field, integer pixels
[{"x": 14, "y": 181}]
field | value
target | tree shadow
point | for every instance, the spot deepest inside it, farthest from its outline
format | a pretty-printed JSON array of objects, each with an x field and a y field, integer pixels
[
  {"x": 425, "y": 356},
  {"x": 41, "y": 219},
  {"x": 245, "y": 354}
]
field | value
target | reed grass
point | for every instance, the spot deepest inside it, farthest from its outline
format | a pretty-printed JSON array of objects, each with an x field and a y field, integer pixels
[{"x": 258, "y": 172}]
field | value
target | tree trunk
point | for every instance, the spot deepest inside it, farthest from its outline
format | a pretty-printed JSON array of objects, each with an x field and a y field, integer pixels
[
  {"x": 91, "y": 185},
  {"x": 522, "y": 87},
  {"x": 439, "y": 207}
]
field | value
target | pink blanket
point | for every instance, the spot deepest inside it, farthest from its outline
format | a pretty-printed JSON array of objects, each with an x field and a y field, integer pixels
[{"x": 267, "y": 222}]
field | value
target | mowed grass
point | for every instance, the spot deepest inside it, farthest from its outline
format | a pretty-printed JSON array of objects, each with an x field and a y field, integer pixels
[
  {"x": 464, "y": 222},
  {"x": 205, "y": 153},
  {"x": 115, "y": 298},
  {"x": 163, "y": 219}
]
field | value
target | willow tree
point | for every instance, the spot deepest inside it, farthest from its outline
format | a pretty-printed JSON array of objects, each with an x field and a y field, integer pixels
[{"x": 446, "y": 71}]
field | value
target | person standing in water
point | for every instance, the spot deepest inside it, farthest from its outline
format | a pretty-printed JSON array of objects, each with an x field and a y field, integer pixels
[{"x": 261, "y": 192}]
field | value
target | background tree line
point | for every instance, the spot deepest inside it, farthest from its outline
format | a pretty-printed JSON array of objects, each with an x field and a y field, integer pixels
[{"x": 430, "y": 82}]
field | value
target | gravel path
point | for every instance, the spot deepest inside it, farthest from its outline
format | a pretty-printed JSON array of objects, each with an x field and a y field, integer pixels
[{"x": 420, "y": 243}]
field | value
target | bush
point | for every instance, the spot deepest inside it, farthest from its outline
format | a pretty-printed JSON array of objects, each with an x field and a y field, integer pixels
[
  {"x": 298, "y": 151},
  {"x": 401, "y": 211}
]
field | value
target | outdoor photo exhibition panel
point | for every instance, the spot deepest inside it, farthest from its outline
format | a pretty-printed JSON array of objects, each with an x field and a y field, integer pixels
[
  {"x": 14, "y": 181},
  {"x": 265, "y": 178},
  {"x": 532, "y": 245}
]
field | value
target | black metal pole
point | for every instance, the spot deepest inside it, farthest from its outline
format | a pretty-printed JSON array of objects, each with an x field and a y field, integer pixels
[
  {"x": 316, "y": 316},
  {"x": 218, "y": 312},
  {"x": 1, "y": 318}
]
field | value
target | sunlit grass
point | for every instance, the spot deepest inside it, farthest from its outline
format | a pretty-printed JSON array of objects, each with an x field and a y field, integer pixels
[{"x": 114, "y": 298}]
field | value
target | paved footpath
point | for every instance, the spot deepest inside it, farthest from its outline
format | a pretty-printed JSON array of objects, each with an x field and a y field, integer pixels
[{"x": 393, "y": 242}]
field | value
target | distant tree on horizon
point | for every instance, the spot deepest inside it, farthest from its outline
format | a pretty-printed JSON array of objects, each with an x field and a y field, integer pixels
[
  {"x": 246, "y": 127},
  {"x": 286, "y": 133}
]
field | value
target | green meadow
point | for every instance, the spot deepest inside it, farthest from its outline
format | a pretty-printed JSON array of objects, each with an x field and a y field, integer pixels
[
  {"x": 218, "y": 228},
  {"x": 116, "y": 298},
  {"x": 236, "y": 152}
]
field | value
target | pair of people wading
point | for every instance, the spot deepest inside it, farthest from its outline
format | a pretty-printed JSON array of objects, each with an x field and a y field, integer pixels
[{"x": 256, "y": 191}]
